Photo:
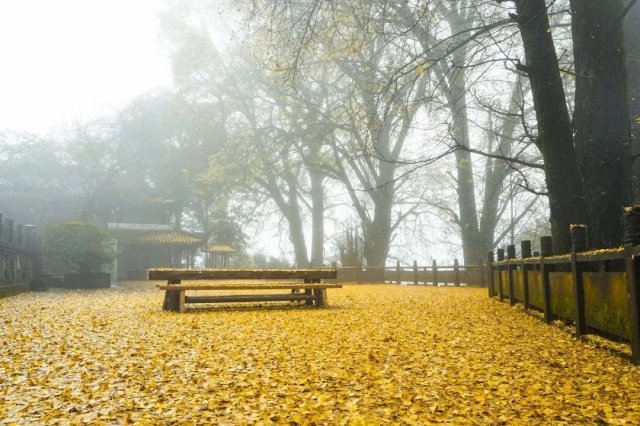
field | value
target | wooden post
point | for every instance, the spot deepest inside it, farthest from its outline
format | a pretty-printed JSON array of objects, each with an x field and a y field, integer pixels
[
  {"x": 456, "y": 273},
  {"x": 172, "y": 299},
  {"x": 490, "y": 269},
  {"x": 426, "y": 275},
  {"x": 546, "y": 250},
  {"x": 525, "y": 253},
  {"x": 481, "y": 271},
  {"x": 434, "y": 267},
  {"x": 359, "y": 273},
  {"x": 398, "y": 272},
  {"x": 578, "y": 244},
  {"x": 511, "y": 254},
  {"x": 320, "y": 295},
  {"x": 632, "y": 267},
  {"x": 500, "y": 259},
  {"x": 415, "y": 272}
]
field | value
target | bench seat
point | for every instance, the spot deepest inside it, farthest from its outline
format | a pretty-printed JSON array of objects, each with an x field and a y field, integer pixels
[
  {"x": 249, "y": 280},
  {"x": 250, "y": 286}
]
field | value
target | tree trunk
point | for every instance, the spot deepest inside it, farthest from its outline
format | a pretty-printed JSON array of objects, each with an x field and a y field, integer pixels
[
  {"x": 602, "y": 138},
  {"x": 632, "y": 50},
  {"x": 296, "y": 235},
  {"x": 471, "y": 247},
  {"x": 317, "y": 218},
  {"x": 555, "y": 139},
  {"x": 498, "y": 170},
  {"x": 377, "y": 232}
]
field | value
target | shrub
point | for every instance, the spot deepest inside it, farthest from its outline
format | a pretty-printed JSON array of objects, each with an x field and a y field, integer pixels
[{"x": 81, "y": 246}]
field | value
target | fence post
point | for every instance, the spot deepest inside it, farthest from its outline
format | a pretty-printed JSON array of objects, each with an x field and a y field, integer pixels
[
  {"x": 578, "y": 244},
  {"x": 481, "y": 271},
  {"x": 426, "y": 275},
  {"x": 415, "y": 272},
  {"x": 359, "y": 273},
  {"x": 456, "y": 273},
  {"x": 546, "y": 249},
  {"x": 434, "y": 265},
  {"x": 525, "y": 253},
  {"x": 632, "y": 267},
  {"x": 500, "y": 259},
  {"x": 490, "y": 269},
  {"x": 398, "y": 272},
  {"x": 511, "y": 254}
]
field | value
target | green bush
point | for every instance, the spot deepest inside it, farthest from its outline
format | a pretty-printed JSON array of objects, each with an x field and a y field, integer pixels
[{"x": 81, "y": 246}]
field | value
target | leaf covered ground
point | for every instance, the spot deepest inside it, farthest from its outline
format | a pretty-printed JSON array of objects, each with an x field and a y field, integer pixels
[{"x": 380, "y": 354}]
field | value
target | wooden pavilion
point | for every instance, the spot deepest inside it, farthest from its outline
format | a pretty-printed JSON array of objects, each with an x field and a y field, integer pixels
[
  {"x": 143, "y": 247},
  {"x": 218, "y": 255}
]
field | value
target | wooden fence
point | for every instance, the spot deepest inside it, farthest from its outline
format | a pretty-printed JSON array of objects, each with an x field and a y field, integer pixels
[
  {"x": 20, "y": 258},
  {"x": 438, "y": 275},
  {"x": 598, "y": 290}
]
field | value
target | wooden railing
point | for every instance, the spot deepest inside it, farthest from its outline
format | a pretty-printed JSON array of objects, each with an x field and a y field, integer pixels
[
  {"x": 20, "y": 256},
  {"x": 433, "y": 275},
  {"x": 597, "y": 290}
]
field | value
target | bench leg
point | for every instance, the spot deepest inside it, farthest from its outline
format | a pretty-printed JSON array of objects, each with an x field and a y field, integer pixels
[
  {"x": 181, "y": 299},
  {"x": 320, "y": 297},
  {"x": 308, "y": 292},
  {"x": 172, "y": 298},
  {"x": 173, "y": 301}
]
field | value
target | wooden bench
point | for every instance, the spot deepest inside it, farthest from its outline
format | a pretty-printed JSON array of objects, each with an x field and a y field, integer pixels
[{"x": 307, "y": 287}]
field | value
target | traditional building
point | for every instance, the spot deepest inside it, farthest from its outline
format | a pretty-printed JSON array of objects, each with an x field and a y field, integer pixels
[
  {"x": 145, "y": 246},
  {"x": 218, "y": 255}
]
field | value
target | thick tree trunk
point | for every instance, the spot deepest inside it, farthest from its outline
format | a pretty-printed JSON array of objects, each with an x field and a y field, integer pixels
[
  {"x": 471, "y": 245},
  {"x": 377, "y": 233},
  {"x": 632, "y": 49},
  {"x": 297, "y": 237},
  {"x": 497, "y": 171},
  {"x": 555, "y": 138},
  {"x": 602, "y": 138},
  {"x": 291, "y": 211},
  {"x": 317, "y": 218}
]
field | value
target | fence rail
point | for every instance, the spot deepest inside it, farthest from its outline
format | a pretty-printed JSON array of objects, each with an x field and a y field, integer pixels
[
  {"x": 20, "y": 258},
  {"x": 597, "y": 290},
  {"x": 433, "y": 275}
]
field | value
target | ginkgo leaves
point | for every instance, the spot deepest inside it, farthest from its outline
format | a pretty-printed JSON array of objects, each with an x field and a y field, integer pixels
[{"x": 378, "y": 355}]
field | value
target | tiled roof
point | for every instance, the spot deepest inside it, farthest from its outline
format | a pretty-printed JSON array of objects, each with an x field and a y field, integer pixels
[
  {"x": 176, "y": 238},
  {"x": 221, "y": 248}
]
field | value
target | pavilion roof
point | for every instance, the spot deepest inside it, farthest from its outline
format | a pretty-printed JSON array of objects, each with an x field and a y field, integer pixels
[
  {"x": 220, "y": 248},
  {"x": 158, "y": 238}
]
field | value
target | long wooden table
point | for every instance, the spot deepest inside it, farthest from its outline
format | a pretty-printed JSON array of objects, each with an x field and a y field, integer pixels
[{"x": 307, "y": 286}]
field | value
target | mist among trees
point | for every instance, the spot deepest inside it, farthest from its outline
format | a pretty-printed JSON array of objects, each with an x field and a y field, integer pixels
[{"x": 342, "y": 130}]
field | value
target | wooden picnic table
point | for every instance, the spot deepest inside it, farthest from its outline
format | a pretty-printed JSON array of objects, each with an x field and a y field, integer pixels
[{"x": 297, "y": 280}]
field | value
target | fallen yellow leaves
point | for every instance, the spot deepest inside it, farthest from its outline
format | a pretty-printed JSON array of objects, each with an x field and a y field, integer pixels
[{"x": 378, "y": 355}]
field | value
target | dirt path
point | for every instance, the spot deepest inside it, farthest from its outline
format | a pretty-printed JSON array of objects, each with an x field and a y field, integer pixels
[{"x": 378, "y": 355}]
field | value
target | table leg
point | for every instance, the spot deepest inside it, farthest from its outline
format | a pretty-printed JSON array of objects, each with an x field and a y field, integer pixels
[{"x": 320, "y": 297}]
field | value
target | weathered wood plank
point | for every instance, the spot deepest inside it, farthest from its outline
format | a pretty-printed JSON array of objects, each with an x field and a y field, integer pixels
[
  {"x": 287, "y": 286},
  {"x": 233, "y": 298},
  {"x": 241, "y": 274}
]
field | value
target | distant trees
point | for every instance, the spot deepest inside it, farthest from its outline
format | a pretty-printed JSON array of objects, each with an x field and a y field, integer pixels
[{"x": 384, "y": 112}]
